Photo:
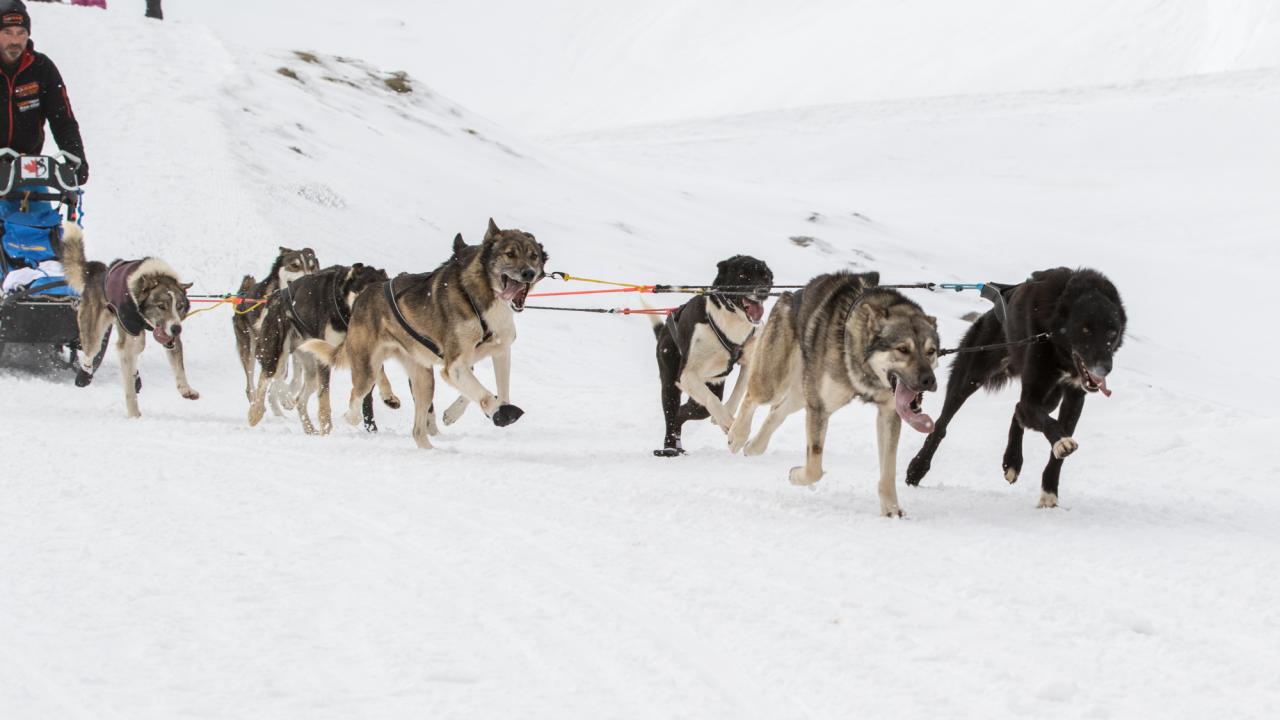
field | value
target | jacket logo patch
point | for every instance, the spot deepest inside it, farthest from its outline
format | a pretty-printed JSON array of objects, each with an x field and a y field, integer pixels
[
  {"x": 30, "y": 88},
  {"x": 28, "y": 105},
  {"x": 36, "y": 168}
]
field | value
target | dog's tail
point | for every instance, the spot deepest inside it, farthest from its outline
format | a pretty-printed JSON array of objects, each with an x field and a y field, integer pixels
[
  {"x": 326, "y": 354},
  {"x": 246, "y": 284},
  {"x": 655, "y": 319},
  {"x": 73, "y": 261}
]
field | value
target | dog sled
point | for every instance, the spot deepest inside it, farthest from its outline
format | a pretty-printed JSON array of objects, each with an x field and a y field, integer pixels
[{"x": 37, "y": 306}]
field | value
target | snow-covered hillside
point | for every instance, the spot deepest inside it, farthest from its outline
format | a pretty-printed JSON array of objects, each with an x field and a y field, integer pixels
[{"x": 185, "y": 564}]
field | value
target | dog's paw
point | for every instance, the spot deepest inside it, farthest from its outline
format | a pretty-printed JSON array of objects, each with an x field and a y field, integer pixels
[
  {"x": 506, "y": 415},
  {"x": 669, "y": 452},
  {"x": 353, "y": 417},
  {"x": 755, "y": 448},
  {"x": 891, "y": 510},
  {"x": 189, "y": 393},
  {"x": 392, "y": 402},
  {"x": 1065, "y": 447},
  {"x": 1010, "y": 474},
  {"x": 83, "y": 378},
  {"x": 916, "y": 471},
  {"x": 454, "y": 412},
  {"x": 370, "y": 426},
  {"x": 1048, "y": 500},
  {"x": 255, "y": 414},
  {"x": 799, "y": 476}
]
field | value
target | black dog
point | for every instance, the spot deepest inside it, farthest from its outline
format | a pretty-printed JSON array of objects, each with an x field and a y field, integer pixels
[
  {"x": 1079, "y": 321},
  {"x": 700, "y": 343}
]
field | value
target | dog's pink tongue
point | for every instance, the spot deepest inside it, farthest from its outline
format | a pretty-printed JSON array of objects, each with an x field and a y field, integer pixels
[
  {"x": 510, "y": 289},
  {"x": 903, "y": 397},
  {"x": 1101, "y": 383},
  {"x": 161, "y": 337},
  {"x": 755, "y": 310}
]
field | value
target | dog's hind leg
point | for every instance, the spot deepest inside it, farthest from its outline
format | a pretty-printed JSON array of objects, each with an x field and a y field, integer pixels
[
  {"x": 324, "y": 402},
  {"x": 386, "y": 391},
  {"x": 180, "y": 371},
  {"x": 363, "y": 378},
  {"x": 888, "y": 431},
  {"x": 94, "y": 329},
  {"x": 816, "y": 417},
  {"x": 257, "y": 406},
  {"x": 309, "y": 371},
  {"x": 128, "y": 348},
  {"x": 1068, "y": 416},
  {"x": 422, "y": 385},
  {"x": 969, "y": 372},
  {"x": 244, "y": 345}
]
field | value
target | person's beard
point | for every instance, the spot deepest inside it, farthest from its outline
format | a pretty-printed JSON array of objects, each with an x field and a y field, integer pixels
[{"x": 11, "y": 53}]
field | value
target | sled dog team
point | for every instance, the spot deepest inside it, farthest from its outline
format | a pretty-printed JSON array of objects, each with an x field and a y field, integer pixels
[{"x": 838, "y": 339}]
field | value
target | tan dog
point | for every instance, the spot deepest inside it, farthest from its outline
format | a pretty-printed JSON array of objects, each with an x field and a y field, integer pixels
[
  {"x": 461, "y": 313},
  {"x": 840, "y": 339}
]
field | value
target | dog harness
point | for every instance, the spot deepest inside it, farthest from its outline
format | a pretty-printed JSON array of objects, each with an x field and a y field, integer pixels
[
  {"x": 120, "y": 302},
  {"x": 339, "y": 316},
  {"x": 388, "y": 290},
  {"x": 734, "y": 349}
]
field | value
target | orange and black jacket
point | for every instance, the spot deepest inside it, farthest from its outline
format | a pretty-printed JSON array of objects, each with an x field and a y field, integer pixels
[{"x": 31, "y": 93}]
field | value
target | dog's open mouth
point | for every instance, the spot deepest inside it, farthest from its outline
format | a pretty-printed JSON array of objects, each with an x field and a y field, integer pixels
[
  {"x": 1092, "y": 383},
  {"x": 753, "y": 308},
  {"x": 163, "y": 337},
  {"x": 515, "y": 292},
  {"x": 910, "y": 405}
]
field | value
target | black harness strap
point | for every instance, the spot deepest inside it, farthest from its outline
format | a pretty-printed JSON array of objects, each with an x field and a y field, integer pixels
[
  {"x": 389, "y": 292},
  {"x": 734, "y": 350},
  {"x": 341, "y": 313},
  {"x": 484, "y": 326},
  {"x": 294, "y": 317}
]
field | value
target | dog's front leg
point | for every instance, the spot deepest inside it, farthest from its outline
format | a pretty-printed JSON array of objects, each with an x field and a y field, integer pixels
[
  {"x": 741, "y": 428},
  {"x": 502, "y": 373},
  {"x": 460, "y": 375},
  {"x": 696, "y": 388},
  {"x": 888, "y": 431},
  {"x": 180, "y": 371},
  {"x": 1068, "y": 416},
  {"x": 129, "y": 348},
  {"x": 385, "y": 390}
]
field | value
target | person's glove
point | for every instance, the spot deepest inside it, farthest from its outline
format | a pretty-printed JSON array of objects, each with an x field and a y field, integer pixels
[{"x": 82, "y": 173}]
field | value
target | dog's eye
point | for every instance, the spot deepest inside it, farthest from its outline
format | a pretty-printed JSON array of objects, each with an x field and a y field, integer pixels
[
  {"x": 511, "y": 254},
  {"x": 905, "y": 350}
]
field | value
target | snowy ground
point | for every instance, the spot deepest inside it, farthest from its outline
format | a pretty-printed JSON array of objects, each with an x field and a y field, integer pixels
[{"x": 185, "y": 565}]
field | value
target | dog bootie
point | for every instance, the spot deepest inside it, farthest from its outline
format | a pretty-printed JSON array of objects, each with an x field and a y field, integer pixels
[{"x": 506, "y": 415}]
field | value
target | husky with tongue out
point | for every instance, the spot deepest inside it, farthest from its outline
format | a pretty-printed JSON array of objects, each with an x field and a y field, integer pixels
[
  {"x": 703, "y": 340},
  {"x": 1065, "y": 326},
  {"x": 454, "y": 317},
  {"x": 838, "y": 339}
]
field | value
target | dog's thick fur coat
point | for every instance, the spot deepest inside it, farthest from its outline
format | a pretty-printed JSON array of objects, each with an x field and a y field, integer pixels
[
  {"x": 701, "y": 343},
  {"x": 1084, "y": 319},
  {"x": 465, "y": 309},
  {"x": 839, "y": 339},
  {"x": 157, "y": 300}
]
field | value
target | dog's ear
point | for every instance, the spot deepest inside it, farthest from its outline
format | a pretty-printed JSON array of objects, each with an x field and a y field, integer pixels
[
  {"x": 459, "y": 244},
  {"x": 493, "y": 230},
  {"x": 185, "y": 286},
  {"x": 932, "y": 321},
  {"x": 284, "y": 250},
  {"x": 871, "y": 279}
]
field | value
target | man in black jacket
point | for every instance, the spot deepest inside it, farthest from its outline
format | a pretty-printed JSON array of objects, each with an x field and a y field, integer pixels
[{"x": 31, "y": 92}]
